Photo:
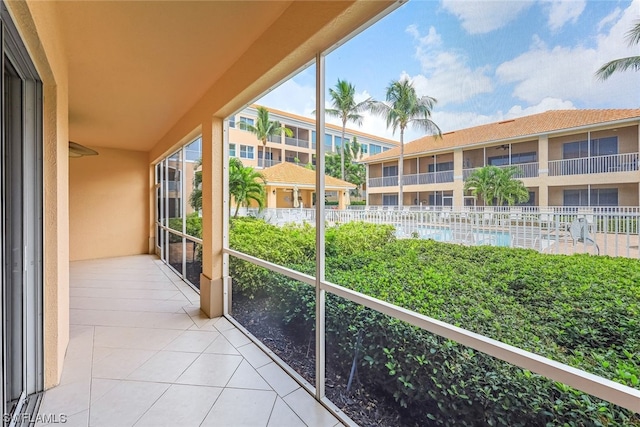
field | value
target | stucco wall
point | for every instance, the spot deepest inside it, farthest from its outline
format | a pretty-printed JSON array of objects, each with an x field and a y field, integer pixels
[
  {"x": 108, "y": 204},
  {"x": 38, "y": 26}
]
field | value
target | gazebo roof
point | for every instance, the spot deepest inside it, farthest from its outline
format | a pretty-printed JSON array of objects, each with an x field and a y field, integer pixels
[{"x": 288, "y": 174}]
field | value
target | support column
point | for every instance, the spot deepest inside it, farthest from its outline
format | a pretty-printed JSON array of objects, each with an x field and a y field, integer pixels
[
  {"x": 366, "y": 168},
  {"x": 458, "y": 182},
  {"x": 342, "y": 199},
  {"x": 543, "y": 171},
  {"x": 271, "y": 198},
  {"x": 214, "y": 206}
]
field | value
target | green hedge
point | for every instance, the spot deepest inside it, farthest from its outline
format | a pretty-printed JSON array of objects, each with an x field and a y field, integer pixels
[{"x": 580, "y": 310}]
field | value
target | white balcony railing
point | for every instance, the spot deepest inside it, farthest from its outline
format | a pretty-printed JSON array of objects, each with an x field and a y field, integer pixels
[
  {"x": 526, "y": 170},
  {"x": 414, "y": 179},
  {"x": 625, "y": 162},
  {"x": 387, "y": 181},
  {"x": 296, "y": 142}
]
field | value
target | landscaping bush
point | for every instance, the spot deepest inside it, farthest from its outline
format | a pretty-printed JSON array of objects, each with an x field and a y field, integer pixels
[{"x": 580, "y": 310}]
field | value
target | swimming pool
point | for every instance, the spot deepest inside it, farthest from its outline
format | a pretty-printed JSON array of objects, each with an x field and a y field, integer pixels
[{"x": 475, "y": 237}]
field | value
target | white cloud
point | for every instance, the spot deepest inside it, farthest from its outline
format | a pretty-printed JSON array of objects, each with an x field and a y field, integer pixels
[
  {"x": 291, "y": 97},
  {"x": 568, "y": 72},
  {"x": 545, "y": 105},
  {"x": 610, "y": 18},
  {"x": 563, "y": 11},
  {"x": 445, "y": 74},
  {"x": 480, "y": 17}
]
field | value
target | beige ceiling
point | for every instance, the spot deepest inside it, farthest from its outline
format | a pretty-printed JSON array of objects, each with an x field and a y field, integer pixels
[{"x": 135, "y": 68}]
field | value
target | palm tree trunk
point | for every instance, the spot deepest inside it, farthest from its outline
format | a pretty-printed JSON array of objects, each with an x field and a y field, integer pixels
[
  {"x": 400, "y": 168},
  {"x": 235, "y": 215},
  {"x": 344, "y": 125},
  {"x": 264, "y": 154}
]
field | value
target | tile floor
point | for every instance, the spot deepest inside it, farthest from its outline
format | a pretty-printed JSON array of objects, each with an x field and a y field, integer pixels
[{"x": 141, "y": 353}]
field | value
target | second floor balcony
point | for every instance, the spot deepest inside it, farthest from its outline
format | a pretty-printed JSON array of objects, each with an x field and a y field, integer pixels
[
  {"x": 413, "y": 179},
  {"x": 626, "y": 162},
  {"x": 525, "y": 170},
  {"x": 296, "y": 142}
]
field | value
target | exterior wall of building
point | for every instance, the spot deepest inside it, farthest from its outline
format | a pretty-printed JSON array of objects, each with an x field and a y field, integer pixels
[
  {"x": 627, "y": 193},
  {"x": 108, "y": 207},
  {"x": 300, "y": 146},
  {"x": 38, "y": 26},
  {"x": 618, "y": 173}
]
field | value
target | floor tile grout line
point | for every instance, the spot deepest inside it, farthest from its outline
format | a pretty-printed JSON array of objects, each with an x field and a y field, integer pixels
[
  {"x": 151, "y": 406},
  {"x": 93, "y": 346},
  {"x": 272, "y": 408},
  {"x": 211, "y": 407}
]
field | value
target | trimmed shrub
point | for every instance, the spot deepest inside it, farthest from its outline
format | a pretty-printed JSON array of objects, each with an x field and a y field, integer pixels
[{"x": 580, "y": 310}]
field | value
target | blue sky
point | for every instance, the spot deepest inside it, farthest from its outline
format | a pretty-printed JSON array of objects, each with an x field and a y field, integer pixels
[{"x": 484, "y": 61}]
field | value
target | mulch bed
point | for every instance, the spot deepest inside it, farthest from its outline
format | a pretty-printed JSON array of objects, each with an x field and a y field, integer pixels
[{"x": 297, "y": 349}]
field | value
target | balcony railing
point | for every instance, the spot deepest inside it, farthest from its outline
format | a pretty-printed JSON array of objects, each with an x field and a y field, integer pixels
[
  {"x": 266, "y": 163},
  {"x": 526, "y": 170},
  {"x": 296, "y": 142},
  {"x": 431, "y": 178},
  {"x": 387, "y": 181},
  {"x": 415, "y": 179},
  {"x": 626, "y": 162}
]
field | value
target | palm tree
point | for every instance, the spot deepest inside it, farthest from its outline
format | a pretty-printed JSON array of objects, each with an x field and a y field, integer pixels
[
  {"x": 494, "y": 183},
  {"x": 245, "y": 185},
  {"x": 354, "y": 149},
  {"x": 403, "y": 107},
  {"x": 346, "y": 109},
  {"x": 623, "y": 64},
  {"x": 265, "y": 128},
  {"x": 480, "y": 182},
  {"x": 195, "y": 199}
]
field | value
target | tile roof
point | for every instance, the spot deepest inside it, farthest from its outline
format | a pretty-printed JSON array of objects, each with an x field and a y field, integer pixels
[
  {"x": 290, "y": 173},
  {"x": 534, "y": 125}
]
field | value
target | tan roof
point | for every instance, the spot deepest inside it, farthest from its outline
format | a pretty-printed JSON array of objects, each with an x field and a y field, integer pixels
[
  {"x": 290, "y": 173},
  {"x": 330, "y": 126},
  {"x": 537, "y": 124}
]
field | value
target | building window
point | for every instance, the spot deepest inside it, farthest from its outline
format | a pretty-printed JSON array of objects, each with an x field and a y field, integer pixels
[
  {"x": 375, "y": 149},
  {"x": 232, "y": 150},
  {"x": 599, "y": 147},
  {"x": 193, "y": 151},
  {"x": 516, "y": 158},
  {"x": 390, "y": 199},
  {"x": 328, "y": 142},
  {"x": 390, "y": 171},
  {"x": 441, "y": 198},
  {"x": 232, "y": 121},
  {"x": 385, "y": 149},
  {"x": 364, "y": 148},
  {"x": 441, "y": 167},
  {"x": 246, "y": 152},
  {"x": 597, "y": 197},
  {"x": 244, "y": 122}
]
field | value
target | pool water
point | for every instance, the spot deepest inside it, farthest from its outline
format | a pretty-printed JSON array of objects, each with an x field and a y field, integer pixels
[{"x": 493, "y": 238}]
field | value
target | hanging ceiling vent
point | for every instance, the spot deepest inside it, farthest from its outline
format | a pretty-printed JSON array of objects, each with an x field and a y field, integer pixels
[{"x": 77, "y": 150}]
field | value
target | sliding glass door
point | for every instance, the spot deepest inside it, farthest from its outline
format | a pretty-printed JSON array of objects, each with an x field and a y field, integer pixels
[{"x": 21, "y": 234}]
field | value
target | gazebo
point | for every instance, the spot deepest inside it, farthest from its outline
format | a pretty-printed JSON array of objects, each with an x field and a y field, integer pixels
[{"x": 291, "y": 186}]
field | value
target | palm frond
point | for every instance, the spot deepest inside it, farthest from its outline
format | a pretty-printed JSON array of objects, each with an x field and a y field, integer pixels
[
  {"x": 633, "y": 35},
  {"x": 616, "y": 65}
]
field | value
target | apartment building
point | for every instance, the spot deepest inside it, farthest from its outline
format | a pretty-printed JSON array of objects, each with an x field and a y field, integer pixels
[
  {"x": 564, "y": 157},
  {"x": 300, "y": 147}
]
